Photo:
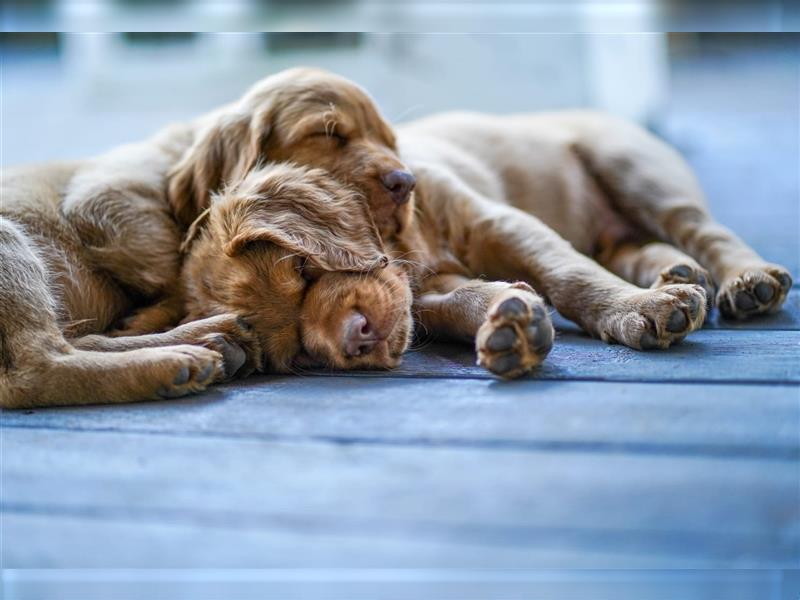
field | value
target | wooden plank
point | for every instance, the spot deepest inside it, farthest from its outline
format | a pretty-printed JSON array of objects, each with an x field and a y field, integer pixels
[
  {"x": 395, "y": 584},
  {"x": 74, "y": 540},
  {"x": 742, "y": 512},
  {"x": 710, "y": 420},
  {"x": 706, "y": 356}
]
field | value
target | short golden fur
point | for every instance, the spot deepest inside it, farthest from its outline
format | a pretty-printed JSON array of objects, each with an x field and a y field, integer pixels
[
  {"x": 282, "y": 231},
  {"x": 601, "y": 218}
]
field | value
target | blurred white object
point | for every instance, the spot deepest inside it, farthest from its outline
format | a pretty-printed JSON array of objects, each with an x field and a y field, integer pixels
[
  {"x": 628, "y": 74},
  {"x": 623, "y": 73},
  {"x": 105, "y": 89}
]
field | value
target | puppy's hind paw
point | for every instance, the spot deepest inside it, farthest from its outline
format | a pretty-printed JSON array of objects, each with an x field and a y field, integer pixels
[
  {"x": 754, "y": 291},
  {"x": 687, "y": 272},
  {"x": 656, "y": 318},
  {"x": 517, "y": 334}
]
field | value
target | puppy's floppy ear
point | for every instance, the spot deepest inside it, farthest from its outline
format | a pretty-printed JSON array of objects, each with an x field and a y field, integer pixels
[
  {"x": 227, "y": 143},
  {"x": 305, "y": 212}
]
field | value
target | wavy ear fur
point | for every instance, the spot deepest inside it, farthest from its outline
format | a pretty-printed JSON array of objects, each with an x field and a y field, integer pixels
[
  {"x": 303, "y": 211},
  {"x": 226, "y": 144}
]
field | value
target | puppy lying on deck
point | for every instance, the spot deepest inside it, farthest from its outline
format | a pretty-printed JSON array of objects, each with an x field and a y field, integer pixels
[
  {"x": 87, "y": 243},
  {"x": 286, "y": 268},
  {"x": 601, "y": 218}
]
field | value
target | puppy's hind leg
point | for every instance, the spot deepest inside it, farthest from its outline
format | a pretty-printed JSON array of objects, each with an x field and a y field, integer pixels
[
  {"x": 28, "y": 326},
  {"x": 39, "y": 368},
  {"x": 652, "y": 186},
  {"x": 655, "y": 265}
]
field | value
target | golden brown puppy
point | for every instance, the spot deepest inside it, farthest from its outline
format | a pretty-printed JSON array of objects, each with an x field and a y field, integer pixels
[
  {"x": 306, "y": 116},
  {"x": 79, "y": 244},
  {"x": 601, "y": 218},
  {"x": 287, "y": 271},
  {"x": 297, "y": 255},
  {"x": 83, "y": 244}
]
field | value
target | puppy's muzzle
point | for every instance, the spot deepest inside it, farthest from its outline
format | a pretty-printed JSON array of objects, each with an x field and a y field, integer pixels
[{"x": 359, "y": 336}]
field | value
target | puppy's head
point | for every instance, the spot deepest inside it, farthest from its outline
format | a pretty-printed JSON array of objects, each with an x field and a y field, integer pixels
[
  {"x": 308, "y": 117},
  {"x": 297, "y": 254}
]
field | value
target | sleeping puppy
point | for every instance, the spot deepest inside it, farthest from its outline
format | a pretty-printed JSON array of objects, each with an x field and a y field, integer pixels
[
  {"x": 602, "y": 219},
  {"x": 87, "y": 243},
  {"x": 297, "y": 255},
  {"x": 286, "y": 271},
  {"x": 308, "y": 117}
]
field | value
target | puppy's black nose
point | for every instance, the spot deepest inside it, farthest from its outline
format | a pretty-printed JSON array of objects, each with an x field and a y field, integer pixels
[{"x": 399, "y": 183}]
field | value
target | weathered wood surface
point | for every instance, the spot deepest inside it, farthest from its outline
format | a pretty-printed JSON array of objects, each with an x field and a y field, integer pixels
[
  {"x": 702, "y": 510},
  {"x": 705, "y": 356},
  {"x": 751, "y": 421},
  {"x": 390, "y": 584}
]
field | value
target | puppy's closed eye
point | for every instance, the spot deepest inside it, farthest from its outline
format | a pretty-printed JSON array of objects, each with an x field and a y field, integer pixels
[
  {"x": 339, "y": 138},
  {"x": 307, "y": 270}
]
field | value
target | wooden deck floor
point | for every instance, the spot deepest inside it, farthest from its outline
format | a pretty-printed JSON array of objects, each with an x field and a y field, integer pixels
[{"x": 608, "y": 458}]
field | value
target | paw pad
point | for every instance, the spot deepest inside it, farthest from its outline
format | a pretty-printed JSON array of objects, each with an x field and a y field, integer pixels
[{"x": 516, "y": 336}]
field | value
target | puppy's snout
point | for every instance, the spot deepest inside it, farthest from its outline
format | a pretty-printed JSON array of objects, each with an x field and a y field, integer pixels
[
  {"x": 399, "y": 185},
  {"x": 359, "y": 335}
]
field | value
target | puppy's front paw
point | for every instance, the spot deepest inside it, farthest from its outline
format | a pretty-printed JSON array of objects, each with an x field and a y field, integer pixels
[
  {"x": 186, "y": 370},
  {"x": 236, "y": 341},
  {"x": 517, "y": 334},
  {"x": 754, "y": 291},
  {"x": 656, "y": 318}
]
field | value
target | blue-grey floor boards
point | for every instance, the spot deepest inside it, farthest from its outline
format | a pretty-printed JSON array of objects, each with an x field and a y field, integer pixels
[{"x": 437, "y": 481}]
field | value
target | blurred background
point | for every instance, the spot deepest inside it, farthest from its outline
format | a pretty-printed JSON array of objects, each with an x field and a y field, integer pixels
[
  {"x": 401, "y": 15},
  {"x": 729, "y": 101}
]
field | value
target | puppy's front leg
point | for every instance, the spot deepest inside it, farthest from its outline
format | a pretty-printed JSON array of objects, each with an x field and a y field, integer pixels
[
  {"x": 156, "y": 318},
  {"x": 228, "y": 334},
  {"x": 508, "y": 321},
  {"x": 516, "y": 245}
]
